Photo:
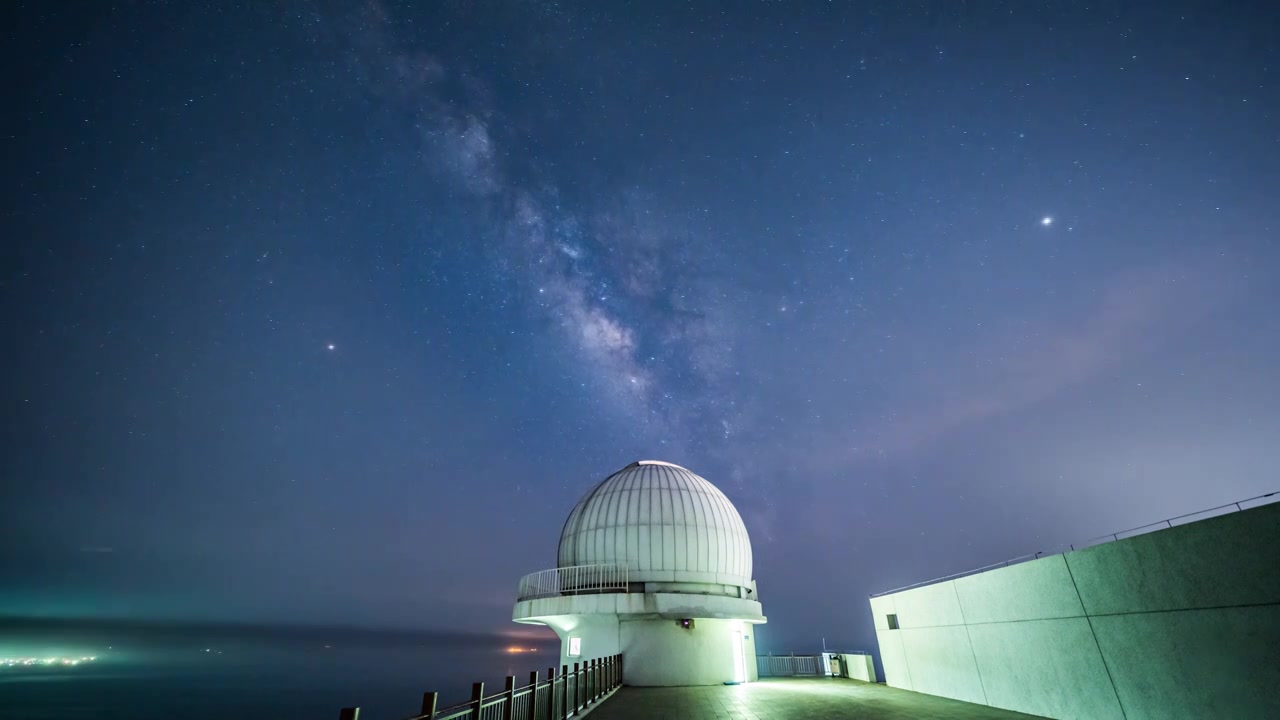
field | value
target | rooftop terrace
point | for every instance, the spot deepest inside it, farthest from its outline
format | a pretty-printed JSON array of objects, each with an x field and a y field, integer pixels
[{"x": 785, "y": 698}]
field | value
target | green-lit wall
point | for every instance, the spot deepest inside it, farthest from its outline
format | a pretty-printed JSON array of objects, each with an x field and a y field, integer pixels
[{"x": 1179, "y": 623}]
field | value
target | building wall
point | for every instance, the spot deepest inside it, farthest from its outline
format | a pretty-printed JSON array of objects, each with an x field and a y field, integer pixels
[
  {"x": 656, "y": 650},
  {"x": 598, "y": 636},
  {"x": 1178, "y": 623},
  {"x": 659, "y": 652}
]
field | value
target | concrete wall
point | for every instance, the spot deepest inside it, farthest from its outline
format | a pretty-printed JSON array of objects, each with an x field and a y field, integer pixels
[
  {"x": 661, "y": 653},
  {"x": 656, "y": 650},
  {"x": 598, "y": 634},
  {"x": 1179, "y": 623},
  {"x": 860, "y": 667}
]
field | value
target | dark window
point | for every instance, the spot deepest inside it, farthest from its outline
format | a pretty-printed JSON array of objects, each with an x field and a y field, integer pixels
[{"x": 893, "y": 622}]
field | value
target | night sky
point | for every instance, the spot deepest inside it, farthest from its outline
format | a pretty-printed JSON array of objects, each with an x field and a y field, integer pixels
[{"x": 328, "y": 313}]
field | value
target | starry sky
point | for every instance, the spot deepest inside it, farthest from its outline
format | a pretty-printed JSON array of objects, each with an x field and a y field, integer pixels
[{"x": 328, "y": 312}]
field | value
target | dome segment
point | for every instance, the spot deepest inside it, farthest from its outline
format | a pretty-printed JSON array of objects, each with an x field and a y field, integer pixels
[{"x": 665, "y": 523}]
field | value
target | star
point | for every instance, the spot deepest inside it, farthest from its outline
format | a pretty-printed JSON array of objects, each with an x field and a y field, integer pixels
[
  {"x": 1046, "y": 221},
  {"x": 331, "y": 346}
]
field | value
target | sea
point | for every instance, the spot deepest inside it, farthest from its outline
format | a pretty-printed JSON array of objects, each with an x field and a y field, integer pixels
[{"x": 150, "y": 671}]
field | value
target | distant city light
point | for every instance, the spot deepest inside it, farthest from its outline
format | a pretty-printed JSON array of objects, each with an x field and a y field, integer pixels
[{"x": 48, "y": 661}]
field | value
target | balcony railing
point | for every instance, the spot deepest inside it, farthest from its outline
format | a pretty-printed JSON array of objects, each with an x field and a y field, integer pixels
[
  {"x": 787, "y": 665},
  {"x": 574, "y": 580},
  {"x": 1240, "y": 505},
  {"x": 571, "y": 693}
]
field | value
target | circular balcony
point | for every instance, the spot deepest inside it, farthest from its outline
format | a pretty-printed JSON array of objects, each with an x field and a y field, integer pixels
[{"x": 574, "y": 580}]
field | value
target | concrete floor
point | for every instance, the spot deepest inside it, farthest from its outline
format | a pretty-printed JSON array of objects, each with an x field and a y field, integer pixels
[{"x": 785, "y": 698}]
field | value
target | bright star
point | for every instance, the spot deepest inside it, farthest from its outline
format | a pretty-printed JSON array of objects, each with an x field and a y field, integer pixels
[
  {"x": 331, "y": 346},
  {"x": 1046, "y": 221}
]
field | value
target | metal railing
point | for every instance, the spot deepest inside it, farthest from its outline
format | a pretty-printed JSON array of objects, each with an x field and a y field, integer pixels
[
  {"x": 1110, "y": 537},
  {"x": 566, "y": 695},
  {"x": 786, "y": 665},
  {"x": 573, "y": 580},
  {"x": 1169, "y": 522}
]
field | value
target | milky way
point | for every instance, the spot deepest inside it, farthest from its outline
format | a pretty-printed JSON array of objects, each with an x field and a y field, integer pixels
[{"x": 633, "y": 293}]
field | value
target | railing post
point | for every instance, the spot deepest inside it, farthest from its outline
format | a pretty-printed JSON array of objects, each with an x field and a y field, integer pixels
[
  {"x": 477, "y": 699},
  {"x": 551, "y": 693},
  {"x": 577, "y": 686},
  {"x": 429, "y": 704},
  {"x": 564, "y": 694},
  {"x": 349, "y": 714},
  {"x": 533, "y": 695},
  {"x": 509, "y": 706}
]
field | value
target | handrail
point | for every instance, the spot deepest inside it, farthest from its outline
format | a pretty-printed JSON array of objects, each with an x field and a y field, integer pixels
[
  {"x": 559, "y": 696},
  {"x": 1169, "y": 521},
  {"x": 574, "y": 580},
  {"x": 1115, "y": 536}
]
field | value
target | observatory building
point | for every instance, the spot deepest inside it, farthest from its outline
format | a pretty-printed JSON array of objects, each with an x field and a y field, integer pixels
[{"x": 655, "y": 563}]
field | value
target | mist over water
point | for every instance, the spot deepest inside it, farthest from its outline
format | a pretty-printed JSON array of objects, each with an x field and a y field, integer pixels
[{"x": 197, "y": 672}]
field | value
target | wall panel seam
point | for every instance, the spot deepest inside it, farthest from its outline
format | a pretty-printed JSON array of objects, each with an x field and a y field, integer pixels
[
  {"x": 1094, "y": 634},
  {"x": 969, "y": 639}
]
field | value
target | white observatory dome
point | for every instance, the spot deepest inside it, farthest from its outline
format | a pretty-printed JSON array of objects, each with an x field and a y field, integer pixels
[{"x": 664, "y": 522}]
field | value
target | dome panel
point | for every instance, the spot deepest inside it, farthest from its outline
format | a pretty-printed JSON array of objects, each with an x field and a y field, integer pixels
[{"x": 659, "y": 519}]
